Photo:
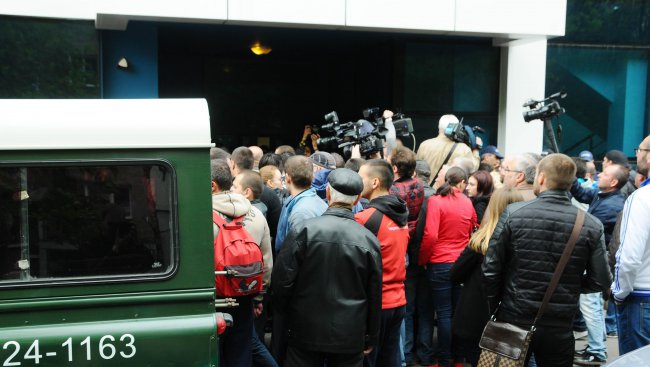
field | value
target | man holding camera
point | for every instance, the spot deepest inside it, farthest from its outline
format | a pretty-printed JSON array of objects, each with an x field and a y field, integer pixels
[{"x": 440, "y": 150}]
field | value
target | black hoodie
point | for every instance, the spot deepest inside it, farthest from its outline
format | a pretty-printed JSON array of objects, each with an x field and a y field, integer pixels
[{"x": 393, "y": 207}]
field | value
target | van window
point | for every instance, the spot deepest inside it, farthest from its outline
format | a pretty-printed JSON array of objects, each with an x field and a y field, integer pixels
[{"x": 71, "y": 220}]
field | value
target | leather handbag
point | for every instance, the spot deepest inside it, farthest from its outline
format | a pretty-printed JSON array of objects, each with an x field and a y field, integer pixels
[{"x": 506, "y": 345}]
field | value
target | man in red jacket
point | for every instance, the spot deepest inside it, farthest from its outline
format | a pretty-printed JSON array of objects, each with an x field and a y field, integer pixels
[{"x": 386, "y": 217}]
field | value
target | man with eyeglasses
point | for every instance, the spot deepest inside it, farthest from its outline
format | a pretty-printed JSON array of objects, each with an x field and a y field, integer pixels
[
  {"x": 631, "y": 286},
  {"x": 518, "y": 172}
]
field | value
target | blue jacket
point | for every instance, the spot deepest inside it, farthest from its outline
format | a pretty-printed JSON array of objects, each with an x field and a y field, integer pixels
[
  {"x": 305, "y": 205},
  {"x": 604, "y": 206}
]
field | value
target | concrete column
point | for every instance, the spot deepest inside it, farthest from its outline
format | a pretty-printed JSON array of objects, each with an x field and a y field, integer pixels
[{"x": 522, "y": 76}]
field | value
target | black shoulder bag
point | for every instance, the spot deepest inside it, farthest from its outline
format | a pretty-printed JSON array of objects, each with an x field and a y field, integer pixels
[{"x": 506, "y": 345}]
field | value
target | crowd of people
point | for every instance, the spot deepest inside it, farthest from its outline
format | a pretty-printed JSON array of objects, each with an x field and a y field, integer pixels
[{"x": 402, "y": 260}]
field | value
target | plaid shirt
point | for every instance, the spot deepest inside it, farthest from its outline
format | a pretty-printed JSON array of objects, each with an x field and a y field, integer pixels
[{"x": 411, "y": 190}]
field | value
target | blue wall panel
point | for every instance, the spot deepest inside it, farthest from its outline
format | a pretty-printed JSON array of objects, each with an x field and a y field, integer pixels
[{"x": 139, "y": 45}]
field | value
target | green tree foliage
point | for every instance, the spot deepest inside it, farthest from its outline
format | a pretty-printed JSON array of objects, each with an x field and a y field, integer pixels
[
  {"x": 48, "y": 59},
  {"x": 622, "y": 22}
]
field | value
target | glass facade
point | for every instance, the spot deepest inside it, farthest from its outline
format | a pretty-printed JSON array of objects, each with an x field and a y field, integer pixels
[
  {"x": 602, "y": 63},
  {"x": 48, "y": 59}
]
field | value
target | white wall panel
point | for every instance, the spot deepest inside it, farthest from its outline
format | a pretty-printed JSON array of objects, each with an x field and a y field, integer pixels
[
  {"x": 406, "y": 14},
  {"x": 325, "y": 12},
  {"x": 511, "y": 17},
  {"x": 523, "y": 76}
]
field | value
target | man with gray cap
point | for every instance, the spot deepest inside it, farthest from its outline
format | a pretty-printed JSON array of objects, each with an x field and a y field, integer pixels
[
  {"x": 440, "y": 150},
  {"x": 328, "y": 282}
]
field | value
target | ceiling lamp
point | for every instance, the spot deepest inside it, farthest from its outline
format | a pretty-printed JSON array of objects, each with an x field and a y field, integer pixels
[{"x": 258, "y": 49}]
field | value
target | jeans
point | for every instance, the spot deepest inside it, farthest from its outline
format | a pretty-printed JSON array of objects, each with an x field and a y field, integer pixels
[
  {"x": 418, "y": 313},
  {"x": 633, "y": 318},
  {"x": 552, "y": 346},
  {"x": 261, "y": 355},
  {"x": 591, "y": 306},
  {"x": 610, "y": 318},
  {"x": 444, "y": 294},
  {"x": 386, "y": 352},
  {"x": 402, "y": 334}
]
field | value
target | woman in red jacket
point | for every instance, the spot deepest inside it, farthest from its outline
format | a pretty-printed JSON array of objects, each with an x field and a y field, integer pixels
[{"x": 450, "y": 221}]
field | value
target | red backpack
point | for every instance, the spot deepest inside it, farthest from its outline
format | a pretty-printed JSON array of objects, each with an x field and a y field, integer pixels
[{"x": 236, "y": 253}]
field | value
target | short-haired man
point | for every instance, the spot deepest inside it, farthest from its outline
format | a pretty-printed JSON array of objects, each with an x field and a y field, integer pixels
[
  {"x": 236, "y": 342},
  {"x": 518, "y": 172},
  {"x": 387, "y": 217},
  {"x": 303, "y": 204},
  {"x": 405, "y": 186},
  {"x": 257, "y": 156},
  {"x": 249, "y": 183},
  {"x": 605, "y": 203},
  {"x": 328, "y": 282},
  {"x": 632, "y": 276},
  {"x": 523, "y": 252},
  {"x": 435, "y": 150},
  {"x": 242, "y": 159},
  {"x": 617, "y": 157}
]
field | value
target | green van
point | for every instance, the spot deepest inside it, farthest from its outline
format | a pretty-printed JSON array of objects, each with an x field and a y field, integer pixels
[{"x": 106, "y": 254}]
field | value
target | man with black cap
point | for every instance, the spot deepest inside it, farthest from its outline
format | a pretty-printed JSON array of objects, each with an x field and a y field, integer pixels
[
  {"x": 387, "y": 218},
  {"x": 328, "y": 282}
]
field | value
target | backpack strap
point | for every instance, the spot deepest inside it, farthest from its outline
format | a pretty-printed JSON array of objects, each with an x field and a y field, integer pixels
[
  {"x": 221, "y": 221},
  {"x": 374, "y": 222},
  {"x": 217, "y": 219}
]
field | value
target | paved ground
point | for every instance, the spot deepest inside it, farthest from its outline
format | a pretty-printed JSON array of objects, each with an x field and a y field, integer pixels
[{"x": 612, "y": 349}]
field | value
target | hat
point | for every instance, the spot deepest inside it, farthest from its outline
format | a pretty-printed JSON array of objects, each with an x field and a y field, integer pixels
[
  {"x": 422, "y": 168},
  {"x": 491, "y": 149},
  {"x": 586, "y": 156},
  {"x": 323, "y": 159},
  {"x": 345, "y": 181}
]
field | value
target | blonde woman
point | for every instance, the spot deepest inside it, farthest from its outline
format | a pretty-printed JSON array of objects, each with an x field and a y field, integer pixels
[{"x": 472, "y": 311}]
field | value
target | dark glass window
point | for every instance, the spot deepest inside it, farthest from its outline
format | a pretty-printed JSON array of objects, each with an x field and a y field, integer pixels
[
  {"x": 48, "y": 59},
  {"x": 85, "y": 221}
]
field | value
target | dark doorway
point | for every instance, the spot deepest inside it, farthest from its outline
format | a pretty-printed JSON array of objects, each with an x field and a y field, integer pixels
[{"x": 312, "y": 72}]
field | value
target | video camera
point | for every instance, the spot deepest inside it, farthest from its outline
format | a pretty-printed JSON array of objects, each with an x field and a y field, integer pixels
[
  {"x": 460, "y": 133},
  {"x": 545, "y": 109},
  {"x": 368, "y": 132}
]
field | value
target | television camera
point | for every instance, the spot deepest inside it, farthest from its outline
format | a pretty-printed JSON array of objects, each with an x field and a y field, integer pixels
[{"x": 368, "y": 133}]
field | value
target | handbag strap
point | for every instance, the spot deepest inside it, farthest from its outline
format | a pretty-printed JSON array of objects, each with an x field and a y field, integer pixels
[{"x": 559, "y": 268}]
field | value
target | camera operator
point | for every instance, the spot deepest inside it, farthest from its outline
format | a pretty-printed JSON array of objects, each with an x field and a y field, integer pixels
[
  {"x": 309, "y": 141},
  {"x": 441, "y": 150}
]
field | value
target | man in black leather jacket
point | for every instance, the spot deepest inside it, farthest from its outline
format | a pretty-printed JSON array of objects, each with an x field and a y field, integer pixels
[
  {"x": 523, "y": 252},
  {"x": 327, "y": 282}
]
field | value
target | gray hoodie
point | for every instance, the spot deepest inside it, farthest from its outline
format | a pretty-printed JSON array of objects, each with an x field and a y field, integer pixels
[{"x": 231, "y": 205}]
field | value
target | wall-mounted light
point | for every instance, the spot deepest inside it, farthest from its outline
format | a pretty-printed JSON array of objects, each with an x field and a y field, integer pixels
[
  {"x": 123, "y": 63},
  {"x": 258, "y": 49}
]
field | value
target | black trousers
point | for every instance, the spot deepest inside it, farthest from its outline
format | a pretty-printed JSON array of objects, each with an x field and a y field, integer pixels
[
  {"x": 236, "y": 342},
  {"x": 297, "y": 357},
  {"x": 553, "y": 346},
  {"x": 386, "y": 353}
]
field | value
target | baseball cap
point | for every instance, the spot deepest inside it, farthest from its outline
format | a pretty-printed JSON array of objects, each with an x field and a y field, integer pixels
[
  {"x": 491, "y": 149},
  {"x": 586, "y": 155},
  {"x": 323, "y": 159}
]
